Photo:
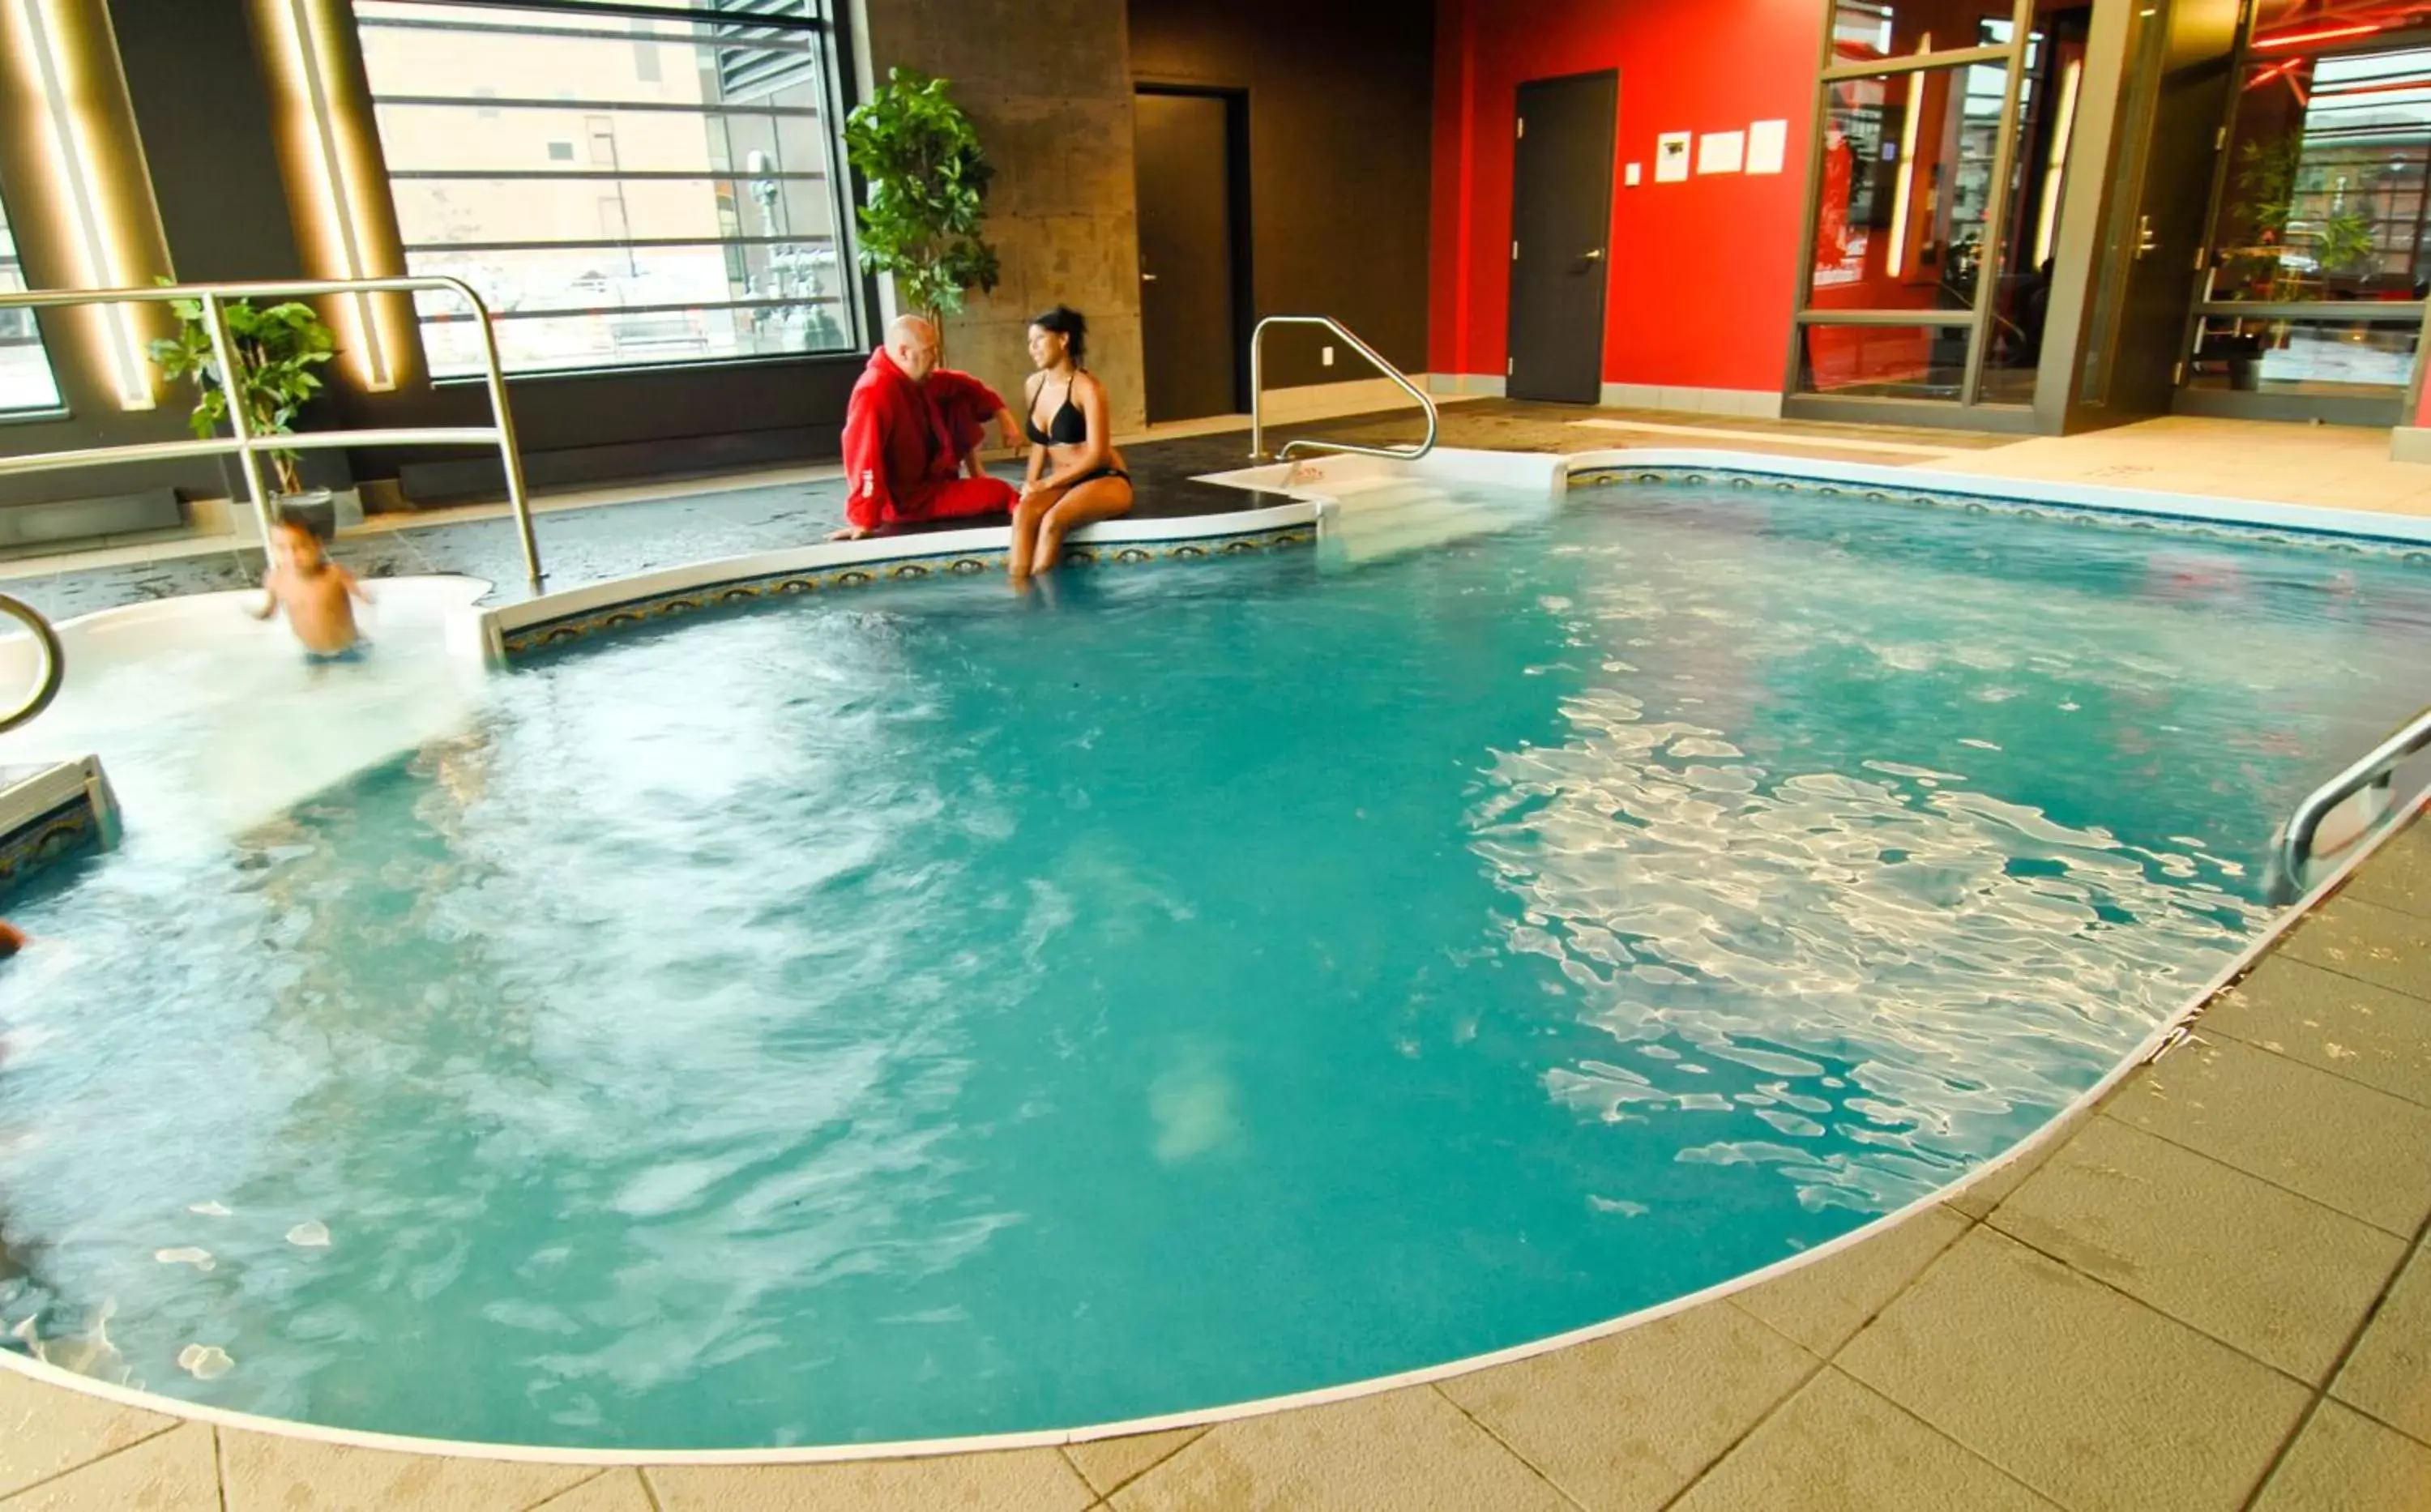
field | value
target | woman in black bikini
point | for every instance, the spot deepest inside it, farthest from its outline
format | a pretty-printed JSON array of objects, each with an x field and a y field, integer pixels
[{"x": 1076, "y": 476}]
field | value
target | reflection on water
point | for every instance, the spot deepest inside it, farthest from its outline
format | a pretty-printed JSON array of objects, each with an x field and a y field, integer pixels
[{"x": 932, "y": 1013}]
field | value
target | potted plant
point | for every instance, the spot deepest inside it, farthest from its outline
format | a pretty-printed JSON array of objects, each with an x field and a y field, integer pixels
[
  {"x": 277, "y": 349},
  {"x": 928, "y": 181}
]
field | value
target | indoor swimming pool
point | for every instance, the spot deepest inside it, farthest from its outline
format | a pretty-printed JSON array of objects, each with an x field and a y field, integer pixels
[{"x": 935, "y": 1012}]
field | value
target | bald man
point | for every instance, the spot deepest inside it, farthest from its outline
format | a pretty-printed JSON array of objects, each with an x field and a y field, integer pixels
[{"x": 903, "y": 455}]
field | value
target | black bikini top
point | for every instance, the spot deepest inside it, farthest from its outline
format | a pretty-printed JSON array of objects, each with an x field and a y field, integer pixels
[{"x": 1069, "y": 427}]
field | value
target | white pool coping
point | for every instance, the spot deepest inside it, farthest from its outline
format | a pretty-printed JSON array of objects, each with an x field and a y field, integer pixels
[{"x": 2296, "y": 518}]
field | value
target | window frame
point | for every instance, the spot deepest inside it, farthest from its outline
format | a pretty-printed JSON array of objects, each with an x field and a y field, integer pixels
[
  {"x": 58, "y": 409},
  {"x": 854, "y": 294},
  {"x": 1830, "y": 70}
]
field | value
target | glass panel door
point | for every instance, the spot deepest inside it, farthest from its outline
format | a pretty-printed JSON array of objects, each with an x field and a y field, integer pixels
[{"x": 2319, "y": 261}]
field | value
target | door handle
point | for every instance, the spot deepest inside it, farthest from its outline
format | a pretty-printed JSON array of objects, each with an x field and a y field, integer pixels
[
  {"x": 2145, "y": 240},
  {"x": 1595, "y": 256},
  {"x": 1148, "y": 278}
]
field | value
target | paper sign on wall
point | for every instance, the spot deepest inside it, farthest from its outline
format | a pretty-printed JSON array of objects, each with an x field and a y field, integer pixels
[
  {"x": 1721, "y": 152},
  {"x": 1671, "y": 158},
  {"x": 1768, "y": 146}
]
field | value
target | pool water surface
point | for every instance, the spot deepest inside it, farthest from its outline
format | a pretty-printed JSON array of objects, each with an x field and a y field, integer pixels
[{"x": 933, "y": 1011}]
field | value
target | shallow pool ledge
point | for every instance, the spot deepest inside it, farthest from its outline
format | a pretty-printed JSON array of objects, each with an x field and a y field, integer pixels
[
  {"x": 2213, "y": 1265},
  {"x": 561, "y": 618}
]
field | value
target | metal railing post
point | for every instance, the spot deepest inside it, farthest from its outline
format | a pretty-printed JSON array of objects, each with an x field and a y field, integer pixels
[
  {"x": 240, "y": 426},
  {"x": 1258, "y": 393},
  {"x": 509, "y": 456}
]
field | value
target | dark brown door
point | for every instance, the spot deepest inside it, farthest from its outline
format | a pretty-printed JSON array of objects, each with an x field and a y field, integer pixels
[
  {"x": 1561, "y": 216},
  {"x": 1189, "y": 325},
  {"x": 2179, "y": 57}
]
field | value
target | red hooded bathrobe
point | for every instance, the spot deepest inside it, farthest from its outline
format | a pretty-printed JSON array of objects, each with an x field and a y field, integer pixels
[{"x": 900, "y": 457}]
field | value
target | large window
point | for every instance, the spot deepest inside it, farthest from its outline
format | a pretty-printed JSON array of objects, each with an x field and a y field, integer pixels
[
  {"x": 1944, "y": 129},
  {"x": 621, "y": 188},
  {"x": 26, "y": 383}
]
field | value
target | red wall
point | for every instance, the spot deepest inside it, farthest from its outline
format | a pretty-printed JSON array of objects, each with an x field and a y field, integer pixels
[{"x": 1703, "y": 272}]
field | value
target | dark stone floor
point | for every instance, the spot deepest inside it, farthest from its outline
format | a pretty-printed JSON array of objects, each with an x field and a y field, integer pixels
[{"x": 592, "y": 544}]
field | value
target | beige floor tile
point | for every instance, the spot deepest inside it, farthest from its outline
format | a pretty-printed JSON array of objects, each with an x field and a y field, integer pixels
[
  {"x": 265, "y": 1473},
  {"x": 46, "y": 1429},
  {"x": 2342, "y": 1144},
  {"x": 1107, "y": 1463},
  {"x": 1022, "y": 1480},
  {"x": 2280, "y": 1277},
  {"x": 2364, "y": 940},
  {"x": 172, "y": 1472},
  {"x": 617, "y": 1490},
  {"x": 1821, "y": 1305},
  {"x": 1986, "y": 1192},
  {"x": 2345, "y": 1462},
  {"x": 2091, "y": 1399},
  {"x": 1389, "y": 1452},
  {"x": 1624, "y": 1422},
  {"x": 2342, "y": 1026},
  {"x": 2389, "y": 1373},
  {"x": 1837, "y": 1447},
  {"x": 2399, "y": 875}
]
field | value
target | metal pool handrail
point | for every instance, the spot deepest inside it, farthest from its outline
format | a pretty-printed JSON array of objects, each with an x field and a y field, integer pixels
[
  {"x": 1258, "y": 394},
  {"x": 2374, "y": 768},
  {"x": 247, "y": 447},
  {"x": 54, "y": 662}
]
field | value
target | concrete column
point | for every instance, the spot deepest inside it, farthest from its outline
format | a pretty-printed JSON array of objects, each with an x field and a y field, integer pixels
[{"x": 1048, "y": 84}]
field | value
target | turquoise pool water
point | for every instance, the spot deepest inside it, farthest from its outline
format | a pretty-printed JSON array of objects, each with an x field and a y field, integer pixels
[{"x": 926, "y": 1012}]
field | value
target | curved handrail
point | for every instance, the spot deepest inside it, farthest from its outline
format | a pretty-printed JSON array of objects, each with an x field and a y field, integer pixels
[
  {"x": 1258, "y": 395},
  {"x": 54, "y": 660},
  {"x": 2372, "y": 769},
  {"x": 247, "y": 447}
]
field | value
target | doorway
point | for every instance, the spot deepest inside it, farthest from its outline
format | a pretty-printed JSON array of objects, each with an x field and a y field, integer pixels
[
  {"x": 1561, "y": 226},
  {"x": 1193, "y": 163},
  {"x": 2176, "y": 77}
]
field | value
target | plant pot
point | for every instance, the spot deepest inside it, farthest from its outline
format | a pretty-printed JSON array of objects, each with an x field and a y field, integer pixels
[
  {"x": 315, "y": 509},
  {"x": 322, "y": 511}
]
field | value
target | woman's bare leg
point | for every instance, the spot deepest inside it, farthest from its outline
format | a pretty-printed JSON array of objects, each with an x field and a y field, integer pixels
[
  {"x": 1100, "y": 498},
  {"x": 1029, "y": 515}
]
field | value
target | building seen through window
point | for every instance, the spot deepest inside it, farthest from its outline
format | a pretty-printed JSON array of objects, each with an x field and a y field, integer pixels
[
  {"x": 619, "y": 188},
  {"x": 25, "y": 381}
]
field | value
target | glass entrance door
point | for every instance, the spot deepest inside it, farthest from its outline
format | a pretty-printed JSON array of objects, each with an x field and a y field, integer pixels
[{"x": 2318, "y": 261}]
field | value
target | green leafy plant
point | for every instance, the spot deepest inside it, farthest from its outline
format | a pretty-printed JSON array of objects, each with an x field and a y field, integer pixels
[
  {"x": 928, "y": 180},
  {"x": 2267, "y": 174},
  {"x": 2345, "y": 243},
  {"x": 277, "y": 348}
]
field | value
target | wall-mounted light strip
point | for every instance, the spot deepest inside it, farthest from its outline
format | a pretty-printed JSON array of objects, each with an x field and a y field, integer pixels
[
  {"x": 2047, "y": 217},
  {"x": 1903, "y": 191},
  {"x": 2298, "y": 39},
  {"x": 341, "y": 217},
  {"x": 99, "y": 248}
]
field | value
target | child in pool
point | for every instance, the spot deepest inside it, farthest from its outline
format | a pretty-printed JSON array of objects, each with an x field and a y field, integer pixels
[{"x": 317, "y": 594}]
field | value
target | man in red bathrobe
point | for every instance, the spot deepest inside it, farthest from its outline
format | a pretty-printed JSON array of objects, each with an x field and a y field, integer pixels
[{"x": 902, "y": 454}]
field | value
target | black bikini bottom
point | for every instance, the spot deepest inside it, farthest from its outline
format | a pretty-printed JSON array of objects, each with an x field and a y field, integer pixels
[{"x": 1090, "y": 477}]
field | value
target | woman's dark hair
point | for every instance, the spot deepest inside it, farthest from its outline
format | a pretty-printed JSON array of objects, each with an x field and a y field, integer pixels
[{"x": 1072, "y": 325}]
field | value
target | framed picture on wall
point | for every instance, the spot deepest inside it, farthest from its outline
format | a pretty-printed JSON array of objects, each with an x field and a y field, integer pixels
[{"x": 1672, "y": 156}]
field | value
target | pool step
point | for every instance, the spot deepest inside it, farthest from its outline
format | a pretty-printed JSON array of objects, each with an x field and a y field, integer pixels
[{"x": 1395, "y": 517}]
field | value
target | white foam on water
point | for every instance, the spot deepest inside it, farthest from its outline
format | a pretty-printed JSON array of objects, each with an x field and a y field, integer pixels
[{"x": 209, "y": 722}]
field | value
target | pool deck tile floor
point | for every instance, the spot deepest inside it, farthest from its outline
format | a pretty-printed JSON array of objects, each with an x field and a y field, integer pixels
[{"x": 2211, "y": 1290}]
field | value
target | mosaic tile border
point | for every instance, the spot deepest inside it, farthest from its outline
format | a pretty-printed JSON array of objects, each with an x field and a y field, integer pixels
[
  {"x": 565, "y": 629},
  {"x": 1673, "y": 475},
  {"x": 47, "y": 839}
]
